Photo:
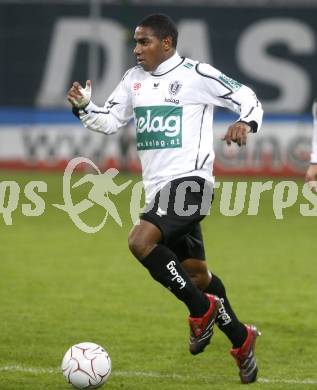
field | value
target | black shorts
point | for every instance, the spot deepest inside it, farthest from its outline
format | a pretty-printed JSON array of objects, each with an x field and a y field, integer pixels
[{"x": 177, "y": 210}]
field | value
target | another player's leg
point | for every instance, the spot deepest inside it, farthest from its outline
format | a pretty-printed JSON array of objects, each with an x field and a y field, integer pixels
[{"x": 164, "y": 266}]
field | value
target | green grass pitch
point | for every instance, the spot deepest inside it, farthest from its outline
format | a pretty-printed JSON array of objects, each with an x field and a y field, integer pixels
[{"x": 60, "y": 286}]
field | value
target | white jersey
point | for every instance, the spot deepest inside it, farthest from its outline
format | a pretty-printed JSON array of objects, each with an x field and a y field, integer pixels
[
  {"x": 173, "y": 111},
  {"x": 313, "y": 157}
]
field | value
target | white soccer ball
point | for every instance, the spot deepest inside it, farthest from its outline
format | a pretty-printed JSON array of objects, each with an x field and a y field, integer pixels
[{"x": 86, "y": 365}]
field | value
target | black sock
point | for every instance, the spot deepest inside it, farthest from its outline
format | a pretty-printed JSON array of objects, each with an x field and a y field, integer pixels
[
  {"x": 226, "y": 320},
  {"x": 165, "y": 268}
]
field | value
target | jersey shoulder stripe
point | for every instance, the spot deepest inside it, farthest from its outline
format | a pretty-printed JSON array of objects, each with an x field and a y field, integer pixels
[
  {"x": 210, "y": 75},
  {"x": 189, "y": 63}
]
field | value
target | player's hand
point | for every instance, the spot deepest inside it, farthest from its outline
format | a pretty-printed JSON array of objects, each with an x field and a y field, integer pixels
[
  {"x": 78, "y": 96},
  {"x": 310, "y": 177},
  {"x": 237, "y": 133}
]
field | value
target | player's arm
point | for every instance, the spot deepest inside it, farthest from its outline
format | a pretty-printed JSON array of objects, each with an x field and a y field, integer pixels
[
  {"x": 244, "y": 102},
  {"x": 311, "y": 173},
  {"x": 223, "y": 91},
  {"x": 116, "y": 112}
]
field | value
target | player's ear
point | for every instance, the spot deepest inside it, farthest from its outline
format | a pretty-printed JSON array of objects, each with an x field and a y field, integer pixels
[{"x": 167, "y": 43}]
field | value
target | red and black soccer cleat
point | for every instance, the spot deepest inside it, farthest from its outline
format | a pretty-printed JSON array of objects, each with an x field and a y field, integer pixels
[
  {"x": 245, "y": 357},
  {"x": 201, "y": 328}
]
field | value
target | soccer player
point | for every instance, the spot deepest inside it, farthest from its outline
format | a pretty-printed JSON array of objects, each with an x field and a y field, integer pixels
[
  {"x": 172, "y": 99},
  {"x": 311, "y": 172}
]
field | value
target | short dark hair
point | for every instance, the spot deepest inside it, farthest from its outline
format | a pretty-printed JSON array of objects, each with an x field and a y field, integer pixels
[{"x": 162, "y": 26}]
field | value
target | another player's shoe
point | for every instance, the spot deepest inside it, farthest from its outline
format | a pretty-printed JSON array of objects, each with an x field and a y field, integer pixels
[
  {"x": 245, "y": 357},
  {"x": 201, "y": 328}
]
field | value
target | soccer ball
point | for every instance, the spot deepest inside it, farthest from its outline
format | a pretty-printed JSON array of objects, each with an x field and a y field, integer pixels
[{"x": 86, "y": 365}]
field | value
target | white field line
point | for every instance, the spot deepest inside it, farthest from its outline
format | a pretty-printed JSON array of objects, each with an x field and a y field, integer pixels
[{"x": 152, "y": 374}]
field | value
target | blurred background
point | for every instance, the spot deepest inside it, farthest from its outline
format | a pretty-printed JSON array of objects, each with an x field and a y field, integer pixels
[{"x": 269, "y": 45}]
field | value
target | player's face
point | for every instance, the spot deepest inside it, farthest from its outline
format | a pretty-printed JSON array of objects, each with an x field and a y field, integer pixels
[{"x": 149, "y": 50}]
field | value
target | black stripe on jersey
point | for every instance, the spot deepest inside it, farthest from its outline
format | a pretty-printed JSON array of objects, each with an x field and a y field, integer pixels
[
  {"x": 101, "y": 112},
  {"x": 213, "y": 78},
  {"x": 252, "y": 124},
  {"x": 205, "y": 159},
  {"x": 111, "y": 103},
  {"x": 200, "y": 131},
  {"x": 249, "y": 113},
  {"x": 162, "y": 74},
  {"x": 227, "y": 96}
]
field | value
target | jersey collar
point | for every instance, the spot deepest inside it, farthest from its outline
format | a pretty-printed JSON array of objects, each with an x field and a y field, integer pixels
[{"x": 168, "y": 65}]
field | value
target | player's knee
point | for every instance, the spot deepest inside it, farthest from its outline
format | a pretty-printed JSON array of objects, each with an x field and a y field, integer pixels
[
  {"x": 143, "y": 238},
  {"x": 135, "y": 245},
  {"x": 139, "y": 247}
]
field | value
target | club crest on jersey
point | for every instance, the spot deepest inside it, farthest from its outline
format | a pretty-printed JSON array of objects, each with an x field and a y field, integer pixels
[{"x": 174, "y": 87}]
